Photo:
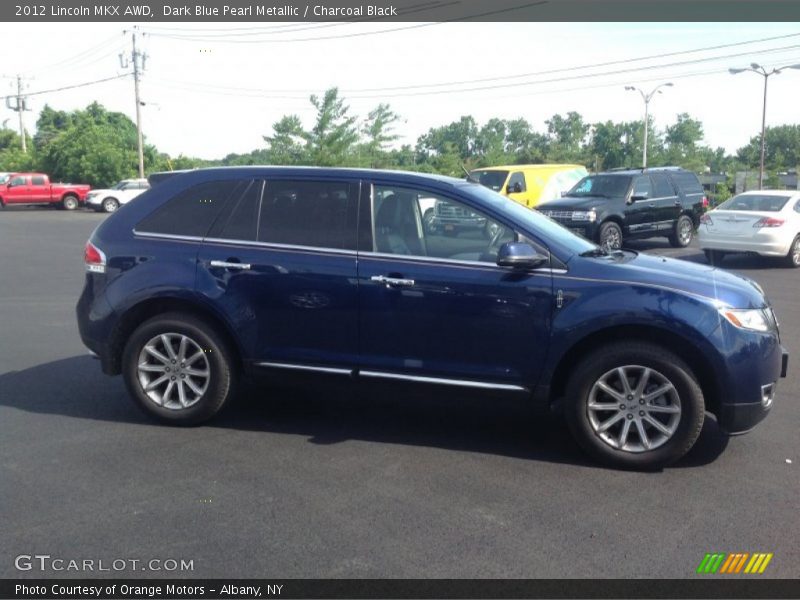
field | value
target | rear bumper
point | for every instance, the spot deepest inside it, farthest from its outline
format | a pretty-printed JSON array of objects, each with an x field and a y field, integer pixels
[{"x": 763, "y": 244}]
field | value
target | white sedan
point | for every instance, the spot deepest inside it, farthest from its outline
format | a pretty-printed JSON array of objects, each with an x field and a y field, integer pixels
[
  {"x": 765, "y": 223},
  {"x": 111, "y": 199}
]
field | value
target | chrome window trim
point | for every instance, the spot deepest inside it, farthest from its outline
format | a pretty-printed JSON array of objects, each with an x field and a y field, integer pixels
[
  {"x": 168, "y": 236},
  {"x": 444, "y": 381},
  {"x": 296, "y": 367},
  {"x": 315, "y": 249}
]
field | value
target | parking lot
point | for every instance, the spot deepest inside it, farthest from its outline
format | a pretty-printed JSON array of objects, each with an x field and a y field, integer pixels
[{"x": 341, "y": 482}]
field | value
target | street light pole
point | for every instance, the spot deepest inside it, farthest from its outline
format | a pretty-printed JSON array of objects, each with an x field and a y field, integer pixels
[
  {"x": 647, "y": 98},
  {"x": 760, "y": 70}
]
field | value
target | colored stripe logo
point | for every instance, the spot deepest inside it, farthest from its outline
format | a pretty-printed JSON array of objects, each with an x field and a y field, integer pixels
[{"x": 734, "y": 563}]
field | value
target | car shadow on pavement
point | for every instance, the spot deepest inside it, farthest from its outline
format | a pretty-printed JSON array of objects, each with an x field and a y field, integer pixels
[{"x": 333, "y": 411}]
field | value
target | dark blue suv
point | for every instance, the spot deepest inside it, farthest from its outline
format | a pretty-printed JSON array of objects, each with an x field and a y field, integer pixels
[{"x": 216, "y": 274}]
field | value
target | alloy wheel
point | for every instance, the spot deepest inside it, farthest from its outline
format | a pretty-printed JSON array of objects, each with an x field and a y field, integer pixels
[
  {"x": 634, "y": 408},
  {"x": 173, "y": 371},
  {"x": 796, "y": 251},
  {"x": 685, "y": 232}
]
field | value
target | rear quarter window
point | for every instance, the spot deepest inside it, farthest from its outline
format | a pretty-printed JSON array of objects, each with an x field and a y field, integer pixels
[
  {"x": 687, "y": 183},
  {"x": 191, "y": 212}
]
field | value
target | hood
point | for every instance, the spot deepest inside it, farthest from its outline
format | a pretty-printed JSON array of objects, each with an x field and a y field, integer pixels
[
  {"x": 574, "y": 203},
  {"x": 101, "y": 191},
  {"x": 729, "y": 289}
]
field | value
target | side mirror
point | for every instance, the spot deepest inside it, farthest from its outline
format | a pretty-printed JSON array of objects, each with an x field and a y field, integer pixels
[
  {"x": 564, "y": 193},
  {"x": 519, "y": 255},
  {"x": 514, "y": 188}
]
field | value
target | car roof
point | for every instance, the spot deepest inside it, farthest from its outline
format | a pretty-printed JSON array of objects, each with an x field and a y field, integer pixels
[
  {"x": 770, "y": 193},
  {"x": 530, "y": 167},
  {"x": 203, "y": 174}
]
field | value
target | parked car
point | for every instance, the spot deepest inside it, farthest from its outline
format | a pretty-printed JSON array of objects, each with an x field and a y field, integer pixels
[
  {"x": 530, "y": 185},
  {"x": 612, "y": 207},
  {"x": 111, "y": 199},
  {"x": 765, "y": 223},
  {"x": 35, "y": 188},
  {"x": 222, "y": 273}
]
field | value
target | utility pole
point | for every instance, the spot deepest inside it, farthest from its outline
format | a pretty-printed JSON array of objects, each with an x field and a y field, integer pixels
[
  {"x": 138, "y": 61},
  {"x": 19, "y": 105}
]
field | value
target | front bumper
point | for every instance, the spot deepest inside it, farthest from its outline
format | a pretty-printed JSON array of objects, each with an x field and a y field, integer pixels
[{"x": 735, "y": 419}]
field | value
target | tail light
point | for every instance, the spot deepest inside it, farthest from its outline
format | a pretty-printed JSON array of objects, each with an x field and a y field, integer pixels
[
  {"x": 706, "y": 219},
  {"x": 705, "y": 201},
  {"x": 768, "y": 222},
  {"x": 94, "y": 258}
]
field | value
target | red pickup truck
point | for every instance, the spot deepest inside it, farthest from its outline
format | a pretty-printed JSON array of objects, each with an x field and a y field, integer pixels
[{"x": 35, "y": 188}]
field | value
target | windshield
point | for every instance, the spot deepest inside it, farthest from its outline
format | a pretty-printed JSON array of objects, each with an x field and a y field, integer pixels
[
  {"x": 532, "y": 220},
  {"x": 755, "y": 202},
  {"x": 121, "y": 185},
  {"x": 493, "y": 180},
  {"x": 605, "y": 186}
]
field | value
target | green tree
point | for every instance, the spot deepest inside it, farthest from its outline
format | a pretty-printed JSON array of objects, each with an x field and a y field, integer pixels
[
  {"x": 567, "y": 136},
  {"x": 681, "y": 143},
  {"x": 378, "y": 131},
  {"x": 332, "y": 139},
  {"x": 287, "y": 144},
  {"x": 782, "y": 149}
]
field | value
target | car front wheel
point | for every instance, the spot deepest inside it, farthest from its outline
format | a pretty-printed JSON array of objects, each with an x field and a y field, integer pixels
[
  {"x": 634, "y": 405},
  {"x": 178, "y": 369},
  {"x": 610, "y": 236}
]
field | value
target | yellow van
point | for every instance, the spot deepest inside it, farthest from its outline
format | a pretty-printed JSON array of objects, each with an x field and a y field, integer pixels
[{"x": 530, "y": 185}]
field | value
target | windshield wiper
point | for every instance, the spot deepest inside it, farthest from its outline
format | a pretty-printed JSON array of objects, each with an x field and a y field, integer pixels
[{"x": 594, "y": 252}]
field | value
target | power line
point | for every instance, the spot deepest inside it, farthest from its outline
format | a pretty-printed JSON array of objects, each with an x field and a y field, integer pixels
[
  {"x": 77, "y": 85},
  {"x": 78, "y": 58},
  {"x": 278, "y": 94}
]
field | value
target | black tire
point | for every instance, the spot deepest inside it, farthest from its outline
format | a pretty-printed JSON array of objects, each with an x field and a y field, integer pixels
[
  {"x": 683, "y": 233},
  {"x": 69, "y": 202},
  {"x": 610, "y": 236},
  {"x": 792, "y": 259},
  {"x": 110, "y": 205},
  {"x": 714, "y": 257},
  {"x": 218, "y": 356},
  {"x": 635, "y": 357}
]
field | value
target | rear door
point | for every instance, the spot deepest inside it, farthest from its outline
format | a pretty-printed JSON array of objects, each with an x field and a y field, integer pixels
[
  {"x": 438, "y": 306},
  {"x": 668, "y": 203},
  {"x": 280, "y": 263},
  {"x": 39, "y": 189}
]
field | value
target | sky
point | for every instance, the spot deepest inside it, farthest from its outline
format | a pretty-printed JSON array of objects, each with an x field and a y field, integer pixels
[{"x": 208, "y": 94}]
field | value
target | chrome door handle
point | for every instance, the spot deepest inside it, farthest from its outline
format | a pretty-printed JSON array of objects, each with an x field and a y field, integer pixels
[
  {"x": 392, "y": 281},
  {"x": 230, "y": 265}
]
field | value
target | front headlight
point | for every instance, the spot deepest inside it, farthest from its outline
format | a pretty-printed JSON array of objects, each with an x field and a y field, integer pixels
[
  {"x": 584, "y": 215},
  {"x": 754, "y": 319}
]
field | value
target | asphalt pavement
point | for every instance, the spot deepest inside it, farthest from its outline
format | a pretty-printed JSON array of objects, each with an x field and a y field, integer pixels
[{"x": 331, "y": 481}]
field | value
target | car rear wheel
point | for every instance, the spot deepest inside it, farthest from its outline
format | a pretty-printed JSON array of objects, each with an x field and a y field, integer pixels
[
  {"x": 684, "y": 232},
  {"x": 110, "y": 205},
  {"x": 793, "y": 258},
  {"x": 714, "y": 257},
  {"x": 178, "y": 369},
  {"x": 69, "y": 202},
  {"x": 610, "y": 236},
  {"x": 634, "y": 405}
]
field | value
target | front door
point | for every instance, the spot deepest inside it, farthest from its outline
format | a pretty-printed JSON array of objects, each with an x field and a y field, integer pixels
[
  {"x": 438, "y": 306},
  {"x": 18, "y": 190},
  {"x": 641, "y": 213}
]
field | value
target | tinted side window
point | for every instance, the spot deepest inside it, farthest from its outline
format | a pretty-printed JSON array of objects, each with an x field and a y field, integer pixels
[
  {"x": 240, "y": 219},
  {"x": 517, "y": 178},
  {"x": 642, "y": 187},
  {"x": 687, "y": 183},
  {"x": 661, "y": 186},
  {"x": 37, "y": 180},
  {"x": 191, "y": 212},
  {"x": 309, "y": 213}
]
